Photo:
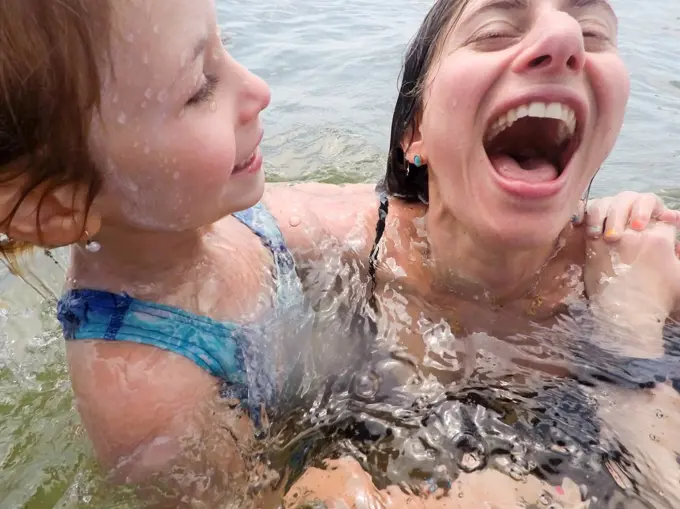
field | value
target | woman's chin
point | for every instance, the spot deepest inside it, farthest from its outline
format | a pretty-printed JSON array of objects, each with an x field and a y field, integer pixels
[{"x": 523, "y": 233}]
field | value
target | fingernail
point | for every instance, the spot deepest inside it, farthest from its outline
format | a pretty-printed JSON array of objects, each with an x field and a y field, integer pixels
[
  {"x": 637, "y": 224},
  {"x": 610, "y": 233}
]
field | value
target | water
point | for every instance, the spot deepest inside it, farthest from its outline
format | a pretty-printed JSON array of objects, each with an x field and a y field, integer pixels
[{"x": 333, "y": 68}]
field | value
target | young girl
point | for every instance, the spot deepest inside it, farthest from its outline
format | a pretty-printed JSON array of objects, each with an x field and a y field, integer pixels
[{"x": 131, "y": 134}]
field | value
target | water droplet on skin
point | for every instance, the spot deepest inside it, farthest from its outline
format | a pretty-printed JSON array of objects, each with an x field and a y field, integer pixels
[
  {"x": 659, "y": 414},
  {"x": 155, "y": 29},
  {"x": 460, "y": 494},
  {"x": 217, "y": 54},
  {"x": 114, "y": 100},
  {"x": 147, "y": 150},
  {"x": 130, "y": 37},
  {"x": 144, "y": 105},
  {"x": 294, "y": 221},
  {"x": 544, "y": 500},
  {"x": 145, "y": 59},
  {"x": 213, "y": 106},
  {"x": 162, "y": 96},
  {"x": 122, "y": 118},
  {"x": 175, "y": 175},
  {"x": 654, "y": 437},
  {"x": 148, "y": 93}
]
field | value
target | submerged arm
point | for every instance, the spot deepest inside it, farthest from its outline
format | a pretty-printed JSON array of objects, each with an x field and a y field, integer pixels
[{"x": 157, "y": 421}]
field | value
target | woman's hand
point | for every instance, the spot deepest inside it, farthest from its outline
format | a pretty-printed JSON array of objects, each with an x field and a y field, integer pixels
[
  {"x": 634, "y": 285},
  {"x": 610, "y": 217}
]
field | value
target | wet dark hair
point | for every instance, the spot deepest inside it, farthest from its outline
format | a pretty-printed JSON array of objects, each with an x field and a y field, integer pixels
[{"x": 412, "y": 186}]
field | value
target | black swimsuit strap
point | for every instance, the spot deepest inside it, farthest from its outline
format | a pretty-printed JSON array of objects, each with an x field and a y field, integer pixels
[{"x": 379, "y": 232}]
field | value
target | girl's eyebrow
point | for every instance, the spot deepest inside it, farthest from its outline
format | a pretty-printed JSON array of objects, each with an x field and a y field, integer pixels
[{"x": 199, "y": 49}]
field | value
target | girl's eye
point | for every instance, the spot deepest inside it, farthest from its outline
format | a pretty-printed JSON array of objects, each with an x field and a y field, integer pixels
[{"x": 206, "y": 91}]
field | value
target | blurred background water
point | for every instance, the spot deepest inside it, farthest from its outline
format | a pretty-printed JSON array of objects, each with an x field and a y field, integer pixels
[{"x": 333, "y": 66}]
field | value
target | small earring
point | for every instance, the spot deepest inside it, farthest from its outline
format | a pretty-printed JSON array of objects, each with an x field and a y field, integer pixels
[
  {"x": 418, "y": 161},
  {"x": 92, "y": 245}
]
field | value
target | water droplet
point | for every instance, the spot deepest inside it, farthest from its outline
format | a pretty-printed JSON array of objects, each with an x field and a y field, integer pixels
[
  {"x": 144, "y": 105},
  {"x": 544, "y": 499},
  {"x": 516, "y": 473},
  {"x": 217, "y": 53},
  {"x": 460, "y": 494},
  {"x": 162, "y": 96},
  {"x": 294, "y": 221},
  {"x": 114, "y": 99},
  {"x": 175, "y": 175},
  {"x": 122, "y": 118},
  {"x": 147, "y": 150},
  {"x": 148, "y": 93},
  {"x": 145, "y": 59},
  {"x": 660, "y": 414},
  {"x": 653, "y": 437},
  {"x": 130, "y": 37},
  {"x": 213, "y": 106},
  {"x": 155, "y": 29},
  {"x": 470, "y": 462}
]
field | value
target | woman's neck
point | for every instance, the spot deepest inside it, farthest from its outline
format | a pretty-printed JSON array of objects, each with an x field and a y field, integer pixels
[{"x": 471, "y": 266}]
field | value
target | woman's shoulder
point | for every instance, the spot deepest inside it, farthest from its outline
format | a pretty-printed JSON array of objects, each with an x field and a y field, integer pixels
[{"x": 313, "y": 214}]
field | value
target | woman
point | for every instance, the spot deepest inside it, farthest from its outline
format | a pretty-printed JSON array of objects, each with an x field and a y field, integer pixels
[{"x": 505, "y": 113}]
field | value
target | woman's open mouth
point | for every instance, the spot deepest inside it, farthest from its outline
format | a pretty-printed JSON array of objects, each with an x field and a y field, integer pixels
[{"x": 532, "y": 144}]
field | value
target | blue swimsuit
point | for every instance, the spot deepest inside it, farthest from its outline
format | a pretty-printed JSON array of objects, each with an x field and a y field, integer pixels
[{"x": 238, "y": 355}]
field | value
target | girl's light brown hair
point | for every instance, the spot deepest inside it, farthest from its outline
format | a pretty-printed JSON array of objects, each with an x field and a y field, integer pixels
[{"x": 51, "y": 56}]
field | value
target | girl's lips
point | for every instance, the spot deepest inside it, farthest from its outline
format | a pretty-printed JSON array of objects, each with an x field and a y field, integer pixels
[{"x": 252, "y": 165}]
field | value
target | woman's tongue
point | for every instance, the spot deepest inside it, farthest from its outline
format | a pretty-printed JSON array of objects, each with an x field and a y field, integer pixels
[{"x": 533, "y": 170}]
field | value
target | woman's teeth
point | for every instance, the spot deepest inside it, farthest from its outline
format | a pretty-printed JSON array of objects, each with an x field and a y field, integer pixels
[{"x": 556, "y": 111}]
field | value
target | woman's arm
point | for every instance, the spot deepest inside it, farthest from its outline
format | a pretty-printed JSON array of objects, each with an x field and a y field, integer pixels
[{"x": 320, "y": 219}]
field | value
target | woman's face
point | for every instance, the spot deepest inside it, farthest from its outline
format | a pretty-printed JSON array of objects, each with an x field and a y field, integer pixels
[
  {"x": 521, "y": 107},
  {"x": 178, "y": 135}
]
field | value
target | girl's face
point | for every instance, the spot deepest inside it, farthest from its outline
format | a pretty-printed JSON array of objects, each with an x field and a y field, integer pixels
[{"x": 178, "y": 135}]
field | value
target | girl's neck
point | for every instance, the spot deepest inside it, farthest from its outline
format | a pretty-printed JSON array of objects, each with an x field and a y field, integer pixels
[{"x": 140, "y": 262}]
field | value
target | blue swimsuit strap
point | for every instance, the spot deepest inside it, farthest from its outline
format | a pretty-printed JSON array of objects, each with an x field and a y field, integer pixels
[
  {"x": 215, "y": 346},
  {"x": 260, "y": 221},
  {"x": 212, "y": 345}
]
